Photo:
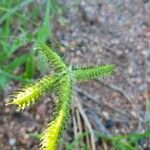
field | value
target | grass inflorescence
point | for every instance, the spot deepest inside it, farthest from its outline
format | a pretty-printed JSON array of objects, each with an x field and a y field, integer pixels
[{"x": 62, "y": 80}]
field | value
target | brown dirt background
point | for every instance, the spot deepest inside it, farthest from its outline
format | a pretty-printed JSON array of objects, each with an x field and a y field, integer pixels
[{"x": 97, "y": 32}]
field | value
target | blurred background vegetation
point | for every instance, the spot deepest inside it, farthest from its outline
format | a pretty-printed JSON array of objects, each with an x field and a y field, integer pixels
[{"x": 23, "y": 23}]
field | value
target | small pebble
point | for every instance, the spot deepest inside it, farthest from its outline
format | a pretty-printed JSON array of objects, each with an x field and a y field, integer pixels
[
  {"x": 41, "y": 110},
  {"x": 12, "y": 141},
  {"x": 105, "y": 114}
]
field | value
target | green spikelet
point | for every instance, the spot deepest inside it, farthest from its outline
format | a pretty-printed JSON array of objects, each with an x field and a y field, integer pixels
[
  {"x": 92, "y": 72},
  {"x": 55, "y": 128},
  {"x": 62, "y": 81},
  {"x": 53, "y": 57},
  {"x": 30, "y": 94}
]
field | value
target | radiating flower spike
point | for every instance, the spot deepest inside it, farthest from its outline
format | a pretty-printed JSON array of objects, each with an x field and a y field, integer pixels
[
  {"x": 93, "y": 72},
  {"x": 52, "y": 57},
  {"x": 28, "y": 95},
  {"x": 62, "y": 80},
  {"x": 52, "y": 134}
]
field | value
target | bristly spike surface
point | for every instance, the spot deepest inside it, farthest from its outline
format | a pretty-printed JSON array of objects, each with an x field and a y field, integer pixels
[
  {"x": 93, "y": 72},
  {"x": 52, "y": 133},
  {"x": 53, "y": 57},
  {"x": 62, "y": 81},
  {"x": 30, "y": 94}
]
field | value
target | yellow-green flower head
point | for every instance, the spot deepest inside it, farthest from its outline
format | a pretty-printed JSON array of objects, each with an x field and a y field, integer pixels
[
  {"x": 52, "y": 133},
  {"x": 30, "y": 94},
  {"x": 62, "y": 80}
]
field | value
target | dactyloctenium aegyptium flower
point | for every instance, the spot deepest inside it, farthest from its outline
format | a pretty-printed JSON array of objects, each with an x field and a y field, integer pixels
[{"x": 62, "y": 79}]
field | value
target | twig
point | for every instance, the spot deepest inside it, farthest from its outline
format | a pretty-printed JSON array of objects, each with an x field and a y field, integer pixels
[
  {"x": 104, "y": 145},
  {"x": 87, "y": 123},
  {"x": 116, "y": 88},
  {"x": 97, "y": 101},
  {"x": 75, "y": 128},
  {"x": 147, "y": 71},
  {"x": 88, "y": 95},
  {"x": 97, "y": 123}
]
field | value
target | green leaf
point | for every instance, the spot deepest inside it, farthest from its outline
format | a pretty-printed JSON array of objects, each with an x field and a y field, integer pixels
[
  {"x": 9, "y": 49},
  {"x": 122, "y": 145},
  {"x": 3, "y": 81},
  {"x": 15, "y": 44},
  {"x": 5, "y": 51},
  {"x": 13, "y": 10},
  {"x": 45, "y": 29},
  {"x": 17, "y": 62},
  {"x": 77, "y": 140},
  {"x": 2, "y": 57},
  {"x": 17, "y": 14},
  {"x": 30, "y": 67},
  {"x": 12, "y": 77},
  {"x": 131, "y": 135}
]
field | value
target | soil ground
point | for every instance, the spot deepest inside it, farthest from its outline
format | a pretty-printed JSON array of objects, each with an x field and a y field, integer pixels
[{"x": 97, "y": 32}]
